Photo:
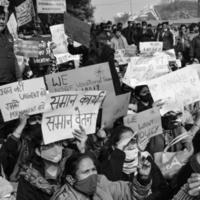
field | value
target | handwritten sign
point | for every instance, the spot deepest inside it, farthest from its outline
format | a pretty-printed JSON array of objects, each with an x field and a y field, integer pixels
[
  {"x": 177, "y": 89},
  {"x": 68, "y": 110},
  {"x": 147, "y": 124},
  {"x": 150, "y": 47},
  {"x": 120, "y": 57},
  {"x": 12, "y": 26},
  {"x": 79, "y": 30},
  {"x": 59, "y": 38},
  {"x": 95, "y": 77},
  {"x": 22, "y": 97},
  {"x": 24, "y": 12},
  {"x": 142, "y": 69},
  {"x": 51, "y": 6},
  {"x": 63, "y": 58},
  {"x": 114, "y": 107},
  {"x": 27, "y": 48}
]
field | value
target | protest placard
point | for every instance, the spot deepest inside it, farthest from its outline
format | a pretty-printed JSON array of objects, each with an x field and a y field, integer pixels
[
  {"x": 95, "y": 77},
  {"x": 12, "y": 26},
  {"x": 177, "y": 89},
  {"x": 120, "y": 57},
  {"x": 44, "y": 55},
  {"x": 79, "y": 30},
  {"x": 142, "y": 69},
  {"x": 4, "y": 3},
  {"x": 147, "y": 124},
  {"x": 150, "y": 47},
  {"x": 114, "y": 107},
  {"x": 59, "y": 38},
  {"x": 24, "y": 12},
  {"x": 27, "y": 48},
  {"x": 22, "y": 97},
  {"x": 63, "y": 58},
  {"x": 51, "y": 6},
  {"x": 67, "y": 111}
]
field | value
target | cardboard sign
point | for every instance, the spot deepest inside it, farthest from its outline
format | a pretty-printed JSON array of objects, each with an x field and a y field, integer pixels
[
  {"x": 79, "y": 30},
  {"x": 177, "y": 89},
  {"x": 114, "y": 107},
  {"x": 12, "y": 26},
  {"x": 95, "y": 77},
  {"x": 59, "y": 38},
  {"x": 147, "y": 124},
  {"x": 150, "y": 47},
  {"x": 27, "y": 48},
  {"x": 22, "y": 97},
  {"x": 51, "y": 6},
  {"x": 24, "y": 12},
  {"x": 69, "y": 110},
  {"x": 142, "y": 69}
]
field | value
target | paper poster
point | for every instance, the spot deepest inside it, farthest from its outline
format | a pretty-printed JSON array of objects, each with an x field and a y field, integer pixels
[
  {"x": 176, "y": 89},
  {"x": 51, "y": 6},
  {"x": 24, "y": 12},
  {"x": 12, "y": 26},
  {"x": 142, "y": 69},
  {"x": 59, "y": 38},
  {"x": 120, "y": 57},
  {"x": 94, "y": 77},
  {"x": 44, "y": 55},
  {"x": 150, "y": 48},
  {"x": 4, "y": 2},
  {"x": 63, "y": 58},
  {"x": 114, "y": 107},
  {"x": 147, "y": 124},
  {"x": 79, "y": 30},
  {"x": 68, "y": 110},
  {"x": 22, "y": 97},
  {"x": 27, "y": 48}
]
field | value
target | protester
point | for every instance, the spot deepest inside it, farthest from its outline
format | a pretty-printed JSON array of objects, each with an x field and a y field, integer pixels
[{"x": 83, "y": 182}]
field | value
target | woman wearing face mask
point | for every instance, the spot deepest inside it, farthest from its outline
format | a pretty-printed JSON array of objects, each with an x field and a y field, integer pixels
[
  {"x": 123, "y": 159},
  {"x": 81, "y": 182}
]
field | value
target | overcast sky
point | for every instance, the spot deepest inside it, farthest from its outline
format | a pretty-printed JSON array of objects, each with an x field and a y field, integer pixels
[{"x": 106, "y": 9}]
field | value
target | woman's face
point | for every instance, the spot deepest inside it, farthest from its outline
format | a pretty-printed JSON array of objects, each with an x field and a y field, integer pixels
[
  {"x": 85, "y": 169},
  {"x": 129, "y": 140}
]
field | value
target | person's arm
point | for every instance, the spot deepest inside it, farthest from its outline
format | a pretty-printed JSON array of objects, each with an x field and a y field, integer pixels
[{"x": 18, "y": 72}]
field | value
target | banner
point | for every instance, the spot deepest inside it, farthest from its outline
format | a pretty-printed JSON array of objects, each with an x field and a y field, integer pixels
[
  {"x": 147, "y": 124},
  {"x": 51, "y": 6},
  {"x": 79, "y": 30},
  {"x": 150, "y": 48},
  {"x": 22, "y": 97},
  {"x": 176, "y": 89},
  {"x": 24, "y": 12},
  {"x": 69, "y": 110},
  {"x": 95, "y": 77},
  {"x": 59, "y": 38},
  {"x": 114, "y": 107},
  {"x": 27, "y": 48},
  {"x": 142, "y": 69}
]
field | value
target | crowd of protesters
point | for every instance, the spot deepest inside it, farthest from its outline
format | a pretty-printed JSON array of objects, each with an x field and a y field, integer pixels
[{"x": 108, "y": 165}]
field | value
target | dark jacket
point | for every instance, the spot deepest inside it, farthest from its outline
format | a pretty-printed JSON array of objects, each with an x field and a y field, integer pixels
[
  {"x": 112, "y": 166},
  {"x": 9, "y": 69},
  {"x": 195, "y": 48},
  {"x": 167, "y": 39},
  {"x": 128, "y": 34}
]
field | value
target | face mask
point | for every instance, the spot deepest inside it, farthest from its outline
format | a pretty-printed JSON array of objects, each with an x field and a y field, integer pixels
[
  {"x": 131, "y": 161},
  {"x": 87, "y": 186},
  {"x": 53, "y": 154},
  {"x": 146, "y": 98}
]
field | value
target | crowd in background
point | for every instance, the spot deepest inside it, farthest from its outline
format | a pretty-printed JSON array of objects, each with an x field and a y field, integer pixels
[{"x": 107, "y": 165}]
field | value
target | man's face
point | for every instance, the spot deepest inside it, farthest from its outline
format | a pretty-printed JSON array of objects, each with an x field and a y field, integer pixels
[{"x": 2, "y": 22}]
